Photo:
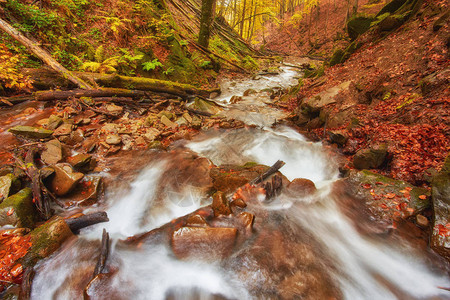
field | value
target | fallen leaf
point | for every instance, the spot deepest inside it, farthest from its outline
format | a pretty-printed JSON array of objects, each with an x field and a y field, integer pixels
[
  {"x": 390, "y": 195},
  {"x": 423, "y": 197}
]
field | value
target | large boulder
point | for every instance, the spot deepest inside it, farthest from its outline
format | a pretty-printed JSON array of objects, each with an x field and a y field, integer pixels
[
  {"x": 208, "y": 243},
  {"x": 206, "y": 106},
  {"x": 18, "y": 210},
  {"x": 440, "y": 238},
  {"x": 387, "y": 198},
  {"x": 317, "y": 102},
  {"x": 358, "y": 25},
  {"x": 46, "y": 239},
  {"x": 370, "y": 158},
  {"x": 31, "y": 132}
]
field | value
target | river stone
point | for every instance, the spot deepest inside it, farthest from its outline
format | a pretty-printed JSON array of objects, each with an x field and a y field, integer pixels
[
  {"x": 9, "y": 184},
  {"x": 53, "y": 122},
  {"x": 53, "y": 152},
  {"x": 206, "y": 243},
  {"x": 46, "y": 239},
  {"x": 206, "y": 106},
  {"x": 220, "y": 204},
  {"x": 371, "y": 158},
  {"x": 113, "y": 139},
  {"x": 181, "y": 121},
  {"x": 64, "y": 129},
  {"x": 387, "y": 198},
  {"x": 164, "y": 120},
  {"x": 86, "y": 193},
  {"x": 80, "y": 160},
  {"x": 196, "y": 122},
  {"x": 316, "y": 102},
  {"x": 235, "y": 99},
  {"x": 338, "y": 137},
  {"x": 65, "y": 179},
  {"x": 196, "y": 220},
  {"x": 114, "y": 109},
  {"x": 31, "y": 132},
  {"x": 246, "y": 219},
  {"x": 306, "y": 284},
  {"x": 151, "y": 134},
  {"x": 167, "y": 114},
  {"x": 187, "y": 117},
  {"x": 18, "y": 210},
  {"x": 301, "y": 187},
  {"x": 249, "y": 92},
  {"x": 440, "y": 238}
]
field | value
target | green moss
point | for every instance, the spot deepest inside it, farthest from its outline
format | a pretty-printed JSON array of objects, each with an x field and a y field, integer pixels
[
  {"x": 336, "y": 58},
  {"x": 18, "y": 210},
  {"x": 358, "y": 25},
  {"x": 250, "y": 164}
]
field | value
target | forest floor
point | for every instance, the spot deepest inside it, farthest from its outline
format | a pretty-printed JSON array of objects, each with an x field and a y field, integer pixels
[{"x": 399, "y": 95}]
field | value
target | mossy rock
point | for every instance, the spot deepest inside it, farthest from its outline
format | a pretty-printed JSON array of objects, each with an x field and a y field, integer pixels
[
  {"x": 46, "y": 239},
  {"x": 350, "y": 50},
  {"x": 391, "y": 7},
  {"x": 358, "y": 25},
  {"x": 370, "y": 158},
  {"x": 336, "y": 58},
  {"x": 31, "y": 132},
  {"x": 206, "y": 106},
  {"x": 18, "y": 210},
  {"x": 388, "y": 198}
]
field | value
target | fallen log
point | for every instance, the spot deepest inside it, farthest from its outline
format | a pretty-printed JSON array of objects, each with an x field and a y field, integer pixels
[
  {"x": 101, "y": 262},
  {"x": 42, "y": 54},
  {"x": 75, "y": 224},
  {"x": 27, "y": 281}
]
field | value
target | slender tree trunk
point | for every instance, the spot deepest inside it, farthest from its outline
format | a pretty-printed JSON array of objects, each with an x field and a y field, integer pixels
[
  {"x": 208, "y": 7},
  {"x": 241, "y": 30}
]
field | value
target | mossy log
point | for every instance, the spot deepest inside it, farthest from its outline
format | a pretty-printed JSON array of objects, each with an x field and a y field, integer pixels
[{"x": 42, "y": 54}]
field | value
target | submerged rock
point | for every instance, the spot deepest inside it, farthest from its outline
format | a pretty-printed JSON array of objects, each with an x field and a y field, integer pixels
[
  {"x": 65, "y": 179},
  {"x": 18, "y": 210},
  {"x": 220, "y": 204},
  {"x": 206, "y": 243},
  {"x": 31, "y": 132}
]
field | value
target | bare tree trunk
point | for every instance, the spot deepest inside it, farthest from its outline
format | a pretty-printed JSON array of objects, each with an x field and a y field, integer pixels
[
  {"x": 42, "y": 54},
  {"x": 241, "y": 30}
]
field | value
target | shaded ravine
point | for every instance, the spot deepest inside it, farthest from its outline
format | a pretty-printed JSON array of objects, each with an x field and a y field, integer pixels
[{"x": 296, "y": 241}]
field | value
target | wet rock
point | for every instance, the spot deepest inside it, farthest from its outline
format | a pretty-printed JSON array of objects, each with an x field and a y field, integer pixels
[
  {"x": 65, "y": 179},
  {"x": 167, "y": 114},
  {"x": 207, "y": 243},
  {"x": 307, "y": 285},
  {"x": 74, "y": 138},
  {"x": 422, "y": 221},
  {"x": 301, "y": 187},
  {"x": 187, "y": 117},
  {"x": 64, "y": 129},
  {"x": 53, "y": 122},
  {"x": 249, "y": 92},
  {"x": 440, "y": 238},
  {"x": 114, "y": 109},
  {"x": 164, "y": 120},
  {"x": 227, "y": 178},
  {"x": 196, "y": 122},
  {"x": 9, "y": 184},
  {"x": 220, "y": 204},
  {"x": 86, "y": 193},
  {"x": 371, "y": 158},
  {"x": 338, "y": 137},
  {"x": 152, "y": 134},
  {"x": 113, "y": 139},
  {"x": 127, "y": 141},
  {"x": 31, "y": 132},
  {"x": 151, "y": 119},
  {"x": 238, "y": 203},
  {"x": 18, "y": 210},
  {"x": 247, "y": 220},
  {"x": 46, "y": 239},
  {"x": 196, "y": 220},
  {"x": 235, "y": 99},
  {"x": 110, "y": 128},
  {"x": 181, "y": 121},
  {"x": 46, "y": 172},
  {"x": 52, "y": 153},
  {"x": 387, "y": 198},
  {"x": 82, "y": 162},
  {"x": 206, "y": 106}
]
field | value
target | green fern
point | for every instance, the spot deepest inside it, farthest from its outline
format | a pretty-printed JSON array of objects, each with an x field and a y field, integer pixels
[
  {"x": 151, "y": 65},
  {"x": 99, "y": 54}
]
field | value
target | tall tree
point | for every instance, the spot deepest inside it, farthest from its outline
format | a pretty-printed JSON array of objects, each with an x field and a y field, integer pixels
[{"x": 208, "y": 8}]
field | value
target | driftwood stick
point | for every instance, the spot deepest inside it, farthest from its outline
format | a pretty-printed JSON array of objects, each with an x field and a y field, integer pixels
[
  {"x": 27, "y": 281},
  {"x": 32, "y": 171},
  {"x": 75, "y": 224},
  {"x": 42, "y": 54},
  {"x": 101, "y": 262},
  {"x": 276, "y": 166}
]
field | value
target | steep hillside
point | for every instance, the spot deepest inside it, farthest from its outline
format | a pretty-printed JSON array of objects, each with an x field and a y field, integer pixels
[{"x": 153, "y": 38}]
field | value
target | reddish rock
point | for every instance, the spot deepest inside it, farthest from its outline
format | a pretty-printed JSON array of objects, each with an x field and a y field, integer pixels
[
  {"x": 65, "y": 179},
  {"x": 220, "y": 204},
  {"x": 302, "y": 187},
  {"x": 238, "y": 203},
  {"x": 207, "y": 243}
]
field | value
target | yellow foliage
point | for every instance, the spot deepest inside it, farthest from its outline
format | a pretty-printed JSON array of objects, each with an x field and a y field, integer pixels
[{"x": 10, "y": 77}]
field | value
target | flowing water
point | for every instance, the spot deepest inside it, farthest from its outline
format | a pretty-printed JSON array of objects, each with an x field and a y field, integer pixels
[{"x": 326, "y": 241}]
